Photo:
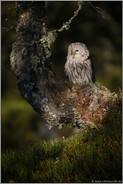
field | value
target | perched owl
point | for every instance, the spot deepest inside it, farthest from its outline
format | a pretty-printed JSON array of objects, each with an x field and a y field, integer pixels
[{"x": 79, "y": 67}]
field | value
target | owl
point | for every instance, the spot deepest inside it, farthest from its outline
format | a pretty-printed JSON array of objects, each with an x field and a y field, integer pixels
[{"x": 78, "y": 66}]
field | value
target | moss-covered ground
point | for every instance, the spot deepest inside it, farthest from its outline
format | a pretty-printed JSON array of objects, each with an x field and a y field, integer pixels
[{"x": 92, "y": 155}]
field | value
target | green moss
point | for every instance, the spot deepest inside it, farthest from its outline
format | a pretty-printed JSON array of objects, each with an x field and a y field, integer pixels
[{"x": 89, "y": 156}]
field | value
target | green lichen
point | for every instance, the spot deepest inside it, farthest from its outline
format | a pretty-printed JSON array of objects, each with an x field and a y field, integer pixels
[{"x": 47, "y": 40}]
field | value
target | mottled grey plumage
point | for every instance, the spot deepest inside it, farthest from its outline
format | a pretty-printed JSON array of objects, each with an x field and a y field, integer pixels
[{"x": 79, "y": 67}]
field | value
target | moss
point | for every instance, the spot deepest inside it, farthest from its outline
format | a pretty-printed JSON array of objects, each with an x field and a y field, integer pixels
[{"x": 92, "y": 155}]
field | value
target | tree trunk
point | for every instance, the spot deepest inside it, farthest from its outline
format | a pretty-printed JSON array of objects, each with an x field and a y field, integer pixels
[{"x": 59, "y": 103}]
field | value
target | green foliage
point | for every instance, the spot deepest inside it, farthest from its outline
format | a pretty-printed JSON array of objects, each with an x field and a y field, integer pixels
[
  {"x": 93, "y": 155},
  {"x": 16, "y": 123}
]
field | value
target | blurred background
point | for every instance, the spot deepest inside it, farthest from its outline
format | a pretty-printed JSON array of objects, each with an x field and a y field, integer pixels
[{"x": 98, "y": 25}]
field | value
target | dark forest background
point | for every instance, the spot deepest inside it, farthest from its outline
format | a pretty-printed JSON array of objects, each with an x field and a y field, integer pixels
[{"x": 99, "y": 28}]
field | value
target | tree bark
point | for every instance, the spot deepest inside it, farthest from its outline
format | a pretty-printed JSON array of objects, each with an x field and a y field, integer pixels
[{"x": 58, "y": 102}]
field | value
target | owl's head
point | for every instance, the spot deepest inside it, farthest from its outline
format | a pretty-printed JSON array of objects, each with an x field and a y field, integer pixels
[{"x": 78, "y": 49}]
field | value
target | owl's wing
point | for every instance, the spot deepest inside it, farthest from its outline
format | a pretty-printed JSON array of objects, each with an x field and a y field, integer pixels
[{"x": 87, "y": 65}]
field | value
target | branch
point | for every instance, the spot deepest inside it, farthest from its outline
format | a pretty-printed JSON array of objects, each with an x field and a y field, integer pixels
[
  {"x": 100, "y": 11},
  {"x": 66, "y": 25},
  {"x": 49, "y": 38}
]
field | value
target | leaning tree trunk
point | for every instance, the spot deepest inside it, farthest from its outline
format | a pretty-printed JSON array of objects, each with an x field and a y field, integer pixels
[{"x": 59, "y": 103}]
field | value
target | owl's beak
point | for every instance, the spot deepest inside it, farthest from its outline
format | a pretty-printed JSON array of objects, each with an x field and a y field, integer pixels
[{"x": 73, "y": 54}]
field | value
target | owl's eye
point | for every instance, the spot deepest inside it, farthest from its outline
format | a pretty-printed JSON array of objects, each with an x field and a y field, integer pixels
[{"x": 76, "y": 50}]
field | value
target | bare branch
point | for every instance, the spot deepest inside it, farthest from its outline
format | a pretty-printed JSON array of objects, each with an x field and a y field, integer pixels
[
  {"x": 101, "y": 11},
  {"x": 66, "y": 25}
]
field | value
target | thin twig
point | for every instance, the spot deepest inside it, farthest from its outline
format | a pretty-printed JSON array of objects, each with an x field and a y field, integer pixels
[
  {"x": 66, "y": 25},
  {"x": 101, "y": 11}
]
